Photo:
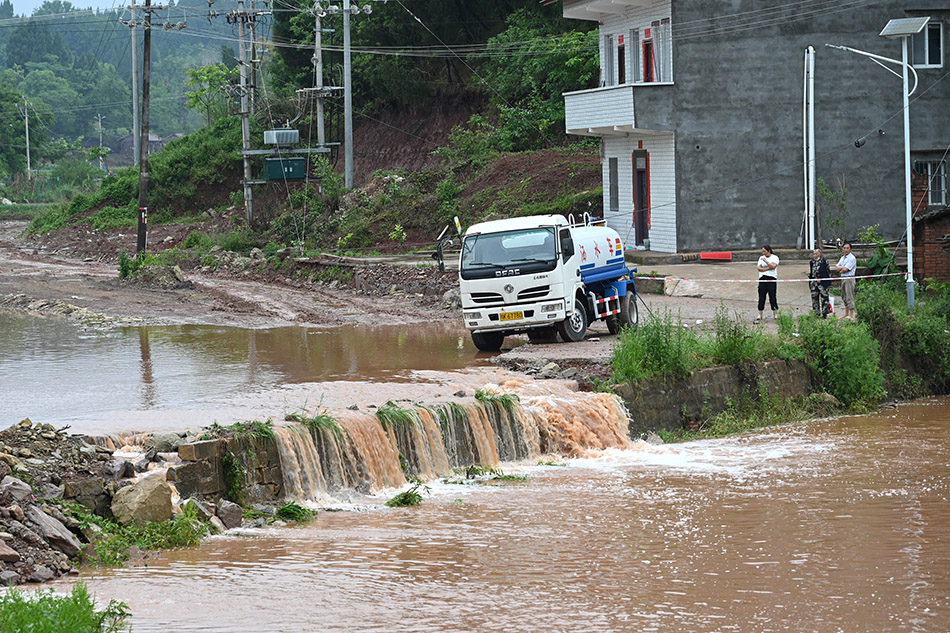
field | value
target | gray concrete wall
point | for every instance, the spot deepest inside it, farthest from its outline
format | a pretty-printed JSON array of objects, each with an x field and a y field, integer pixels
[{"x": 736, "y": 107}]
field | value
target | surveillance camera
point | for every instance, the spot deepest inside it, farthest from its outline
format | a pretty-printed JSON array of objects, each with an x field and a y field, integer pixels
[{"x": 860, "y": 142}]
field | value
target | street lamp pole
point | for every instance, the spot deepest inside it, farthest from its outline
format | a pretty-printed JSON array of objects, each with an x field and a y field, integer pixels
[{"x": 903, "y": 28}]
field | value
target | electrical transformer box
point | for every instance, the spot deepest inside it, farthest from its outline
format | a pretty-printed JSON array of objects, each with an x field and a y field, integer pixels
[{"x": 285, "y": 168}]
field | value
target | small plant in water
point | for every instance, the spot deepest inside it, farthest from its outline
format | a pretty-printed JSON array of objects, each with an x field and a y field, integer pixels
[
  {"x": 411, "y": 497},
  {"x": 45, "y": 612},
  {"x": 295, "y": 512},
  {"x": 255, "y": 430}
]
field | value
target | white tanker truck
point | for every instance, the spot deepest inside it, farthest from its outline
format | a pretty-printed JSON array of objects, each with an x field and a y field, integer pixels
[{"x": 545, "y": 276}]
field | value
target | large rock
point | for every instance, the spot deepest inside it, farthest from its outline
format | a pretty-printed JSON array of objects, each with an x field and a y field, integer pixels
[
  {"x": 149, "y": 500},
  {"x": 8, "y": 554},
  {"x": 230, "y": 514},
  {"x": 53, "y": 532},
  {"x": 165, "y": 443},
  {"x": 12, "y": 489}
]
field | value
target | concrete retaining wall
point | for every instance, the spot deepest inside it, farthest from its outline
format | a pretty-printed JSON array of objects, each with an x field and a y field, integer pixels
[{"x": 656, "y": 404}]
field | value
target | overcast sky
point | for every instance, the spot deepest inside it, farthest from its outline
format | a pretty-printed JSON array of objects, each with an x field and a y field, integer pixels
[{"x": 26, "y": 7}]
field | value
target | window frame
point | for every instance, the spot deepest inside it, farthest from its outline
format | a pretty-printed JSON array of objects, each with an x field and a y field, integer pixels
[
  {"x": 936, "y": 171},
  {"x": 925, "y": 39}
]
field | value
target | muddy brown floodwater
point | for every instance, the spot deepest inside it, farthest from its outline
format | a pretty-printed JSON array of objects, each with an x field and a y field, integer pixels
[{"x": 835, "y": 525}]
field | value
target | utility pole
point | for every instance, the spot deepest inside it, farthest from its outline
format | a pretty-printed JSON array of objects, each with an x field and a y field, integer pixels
[
  {"x": 26, "y": 115},
  {"x": 102, "y": 164},
  {"x": 318, "y": 71},
  {"x": 347, "y": 100},
  {"x": 136, "y": 129},
  {"x": 143, "y": 146},
  {"x": 245, "y": 116}
]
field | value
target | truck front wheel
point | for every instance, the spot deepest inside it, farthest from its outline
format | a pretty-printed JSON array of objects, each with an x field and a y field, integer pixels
[
  {"x": 574, "y": 327},
  {"x": 488, "y": 341},
  {"x": 628, "y": 315}
]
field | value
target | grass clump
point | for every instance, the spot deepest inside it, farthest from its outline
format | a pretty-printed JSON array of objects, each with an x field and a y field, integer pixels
[
  {"x": 845, "y": 358},
  {"x": 235, "y": 477},
  {"x": 411, "y": 497},
  {"x": 317, "y": 423},
  {"x": 508, "y": 401},
  {"x": 295, "y": 512},
  {"x": 391, "y": 415},
  {"x": 44, "y": 612},
  {"x": 253, "y": 431}
]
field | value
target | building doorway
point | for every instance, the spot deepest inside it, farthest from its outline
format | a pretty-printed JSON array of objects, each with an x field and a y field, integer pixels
[{"x": 641, "y": 195}]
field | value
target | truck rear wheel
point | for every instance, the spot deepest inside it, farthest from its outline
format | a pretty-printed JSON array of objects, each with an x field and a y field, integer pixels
[
  {"x": 628, "y": 315},
  {"x": 574, "y": 327},
  {"x": 488, "y": 341}
]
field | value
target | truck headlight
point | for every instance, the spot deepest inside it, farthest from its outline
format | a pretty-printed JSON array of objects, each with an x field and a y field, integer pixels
[
  {"x": 551, "y": 307},
  {"x": 473, "y": 315}
]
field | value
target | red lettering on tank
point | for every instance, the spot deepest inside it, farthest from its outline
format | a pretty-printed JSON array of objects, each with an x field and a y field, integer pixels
[
  {"x": 583, "y": 254},
  {"x": 596, "y": 249}
]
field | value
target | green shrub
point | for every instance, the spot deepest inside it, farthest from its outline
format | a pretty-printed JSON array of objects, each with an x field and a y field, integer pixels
[
  {"x": 845, "y": 358},
  {"x": 114, "y": 218},
  {"x": 235, "y": 477},
  {"x": 128, "y": 266},
  {"x": 198, "y": 240},
  {"x": 508, "y": 401},
  {"x": 657, "y": 347},
  {"x": 321, "y": 422},
  {"x": 44, "y": 612},
  {"x": 734, "y": 342}
]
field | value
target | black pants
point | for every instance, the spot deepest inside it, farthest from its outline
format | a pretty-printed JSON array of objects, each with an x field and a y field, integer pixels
[{"x": 767, "y": 287}]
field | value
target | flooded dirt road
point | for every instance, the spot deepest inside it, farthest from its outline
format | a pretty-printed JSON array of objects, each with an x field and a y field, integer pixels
[{"x": 829, "y": 526}]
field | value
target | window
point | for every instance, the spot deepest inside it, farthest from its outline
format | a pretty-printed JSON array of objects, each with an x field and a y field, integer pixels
[
  {"x": 648, "y": 62},
  {"x": 608, "y": 60},
  {"x": 936, "y": 172},
  {"x": 614, "y": 186},
  {"x": 621, "y": 63},
  {"x": 927, "y": 47}
]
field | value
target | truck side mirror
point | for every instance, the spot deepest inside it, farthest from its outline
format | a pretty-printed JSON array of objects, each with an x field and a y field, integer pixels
[{"x": 567, "y": 247}]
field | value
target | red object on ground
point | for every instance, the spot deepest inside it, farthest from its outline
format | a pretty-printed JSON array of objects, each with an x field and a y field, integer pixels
[{"x": 722, "y": 256}]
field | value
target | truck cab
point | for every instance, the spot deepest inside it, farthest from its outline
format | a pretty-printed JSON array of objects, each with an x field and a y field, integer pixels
[{"x": 527, "y": 274}]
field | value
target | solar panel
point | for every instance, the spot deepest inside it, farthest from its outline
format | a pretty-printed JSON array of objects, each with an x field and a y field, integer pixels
[{"x": 902, "y": 27}]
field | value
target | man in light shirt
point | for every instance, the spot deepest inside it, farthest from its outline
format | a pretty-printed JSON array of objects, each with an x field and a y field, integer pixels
[{"x": 846, "y": 266}]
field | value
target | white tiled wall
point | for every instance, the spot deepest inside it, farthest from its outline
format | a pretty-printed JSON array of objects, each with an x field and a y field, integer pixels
[
  {"x": 660, "y": 146},
  {"x": 634, "y": 18}
]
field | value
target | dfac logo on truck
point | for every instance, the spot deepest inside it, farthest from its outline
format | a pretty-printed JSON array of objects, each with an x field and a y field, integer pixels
[{"x": 508, "y": 273}]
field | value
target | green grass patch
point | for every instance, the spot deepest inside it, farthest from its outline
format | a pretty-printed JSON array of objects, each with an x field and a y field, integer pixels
[
  {"x": 235, "y": 477},
  {"x": 295, "y": 512},
  {"x": 43, "y": 612},
  {"x": 253, "y": 431},
  {"x": 655, "y": 348},
  {"x": 112, "y": 547}
]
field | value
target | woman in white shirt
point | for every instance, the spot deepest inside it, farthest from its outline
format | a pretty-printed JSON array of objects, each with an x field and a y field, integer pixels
[{"x": 768, "y": 276}]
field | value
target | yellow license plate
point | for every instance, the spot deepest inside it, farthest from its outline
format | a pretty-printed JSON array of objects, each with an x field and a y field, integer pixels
[{"x": 510, "y": 316}]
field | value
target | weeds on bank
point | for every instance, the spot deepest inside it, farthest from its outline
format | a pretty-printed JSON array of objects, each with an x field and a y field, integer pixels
[
  {"x": 112, "y": 546},
  {"x": 44, "y": 612},
  {"x": 843, "y": 354},
  {"x": 235, "y": 477}
]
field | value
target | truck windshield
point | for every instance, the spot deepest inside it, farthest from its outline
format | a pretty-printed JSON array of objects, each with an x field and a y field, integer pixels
[{"x": 527, "y": 250}]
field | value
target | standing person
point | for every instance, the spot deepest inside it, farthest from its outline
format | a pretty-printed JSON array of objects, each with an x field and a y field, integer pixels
[
  {"x": 768, "y": 276},
  {"x": 818, "y": 270},
  {"x": 846, "y": 266}
]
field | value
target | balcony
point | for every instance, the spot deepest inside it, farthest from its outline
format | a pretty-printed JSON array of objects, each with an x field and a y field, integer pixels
[
  {"x": 600, "y": 111},
  {"x": 597, "y": 9}
]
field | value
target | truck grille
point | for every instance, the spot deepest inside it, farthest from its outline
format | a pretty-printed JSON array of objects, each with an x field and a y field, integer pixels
[
  {"x": 533, "y": 293},
  {"x": 486, "y": 297}
]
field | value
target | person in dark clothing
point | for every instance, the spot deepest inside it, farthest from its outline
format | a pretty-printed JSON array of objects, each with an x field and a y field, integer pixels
[{"x": 818, "y": 271}]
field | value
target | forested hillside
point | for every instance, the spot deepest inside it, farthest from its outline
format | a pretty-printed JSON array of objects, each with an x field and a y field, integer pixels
[{"x": 444, "y": 87}]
